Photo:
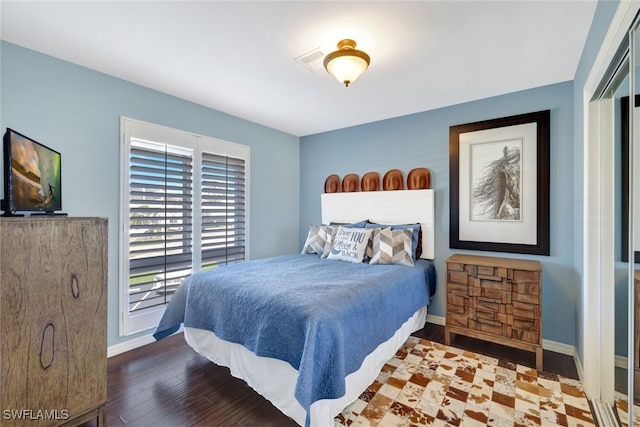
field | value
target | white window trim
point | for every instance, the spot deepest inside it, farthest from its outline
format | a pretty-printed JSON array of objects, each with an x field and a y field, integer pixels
[{"x": 129, "y": 324}]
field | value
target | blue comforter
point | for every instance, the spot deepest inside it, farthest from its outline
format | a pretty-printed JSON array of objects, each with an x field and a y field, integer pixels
[{"x": 321, "y": 316}]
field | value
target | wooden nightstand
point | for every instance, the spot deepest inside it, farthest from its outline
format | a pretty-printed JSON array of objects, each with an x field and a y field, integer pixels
[{"x": 495, "y": 299}]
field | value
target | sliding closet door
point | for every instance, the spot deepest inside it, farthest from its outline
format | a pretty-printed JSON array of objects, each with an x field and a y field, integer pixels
[
  {"x": 621, "y": 138},
  {"x": 611, "y": 216},
  {"x": 616, "y": 118},
  {"x": 627, "y": 229},
  {"x": 631, "y": 159},
  {"x": 614, "y": 128}
]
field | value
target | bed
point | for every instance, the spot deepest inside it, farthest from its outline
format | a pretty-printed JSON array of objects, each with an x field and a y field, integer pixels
[{"x": 311, "y": 332}]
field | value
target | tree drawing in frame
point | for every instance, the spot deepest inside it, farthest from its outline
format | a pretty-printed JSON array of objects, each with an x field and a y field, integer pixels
[
  {"x": 495, "y": 177},
  {"x": 499, "y": 184}
]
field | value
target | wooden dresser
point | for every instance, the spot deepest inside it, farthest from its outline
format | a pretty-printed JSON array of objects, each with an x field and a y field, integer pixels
[
  {"x": 53, "y": 321},
  {"x": 495, "y": 299}
]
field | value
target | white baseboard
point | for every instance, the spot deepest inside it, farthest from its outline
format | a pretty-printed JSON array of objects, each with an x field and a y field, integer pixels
[
  {"x": 436, "y": 320},
  {"x": 621, "y": 362},
  {"x": 134, "y": 343},
  {"x": 556, "y": 347},
  {"x": 579, "y": 368},
  {"x": 131, "y": 344}
]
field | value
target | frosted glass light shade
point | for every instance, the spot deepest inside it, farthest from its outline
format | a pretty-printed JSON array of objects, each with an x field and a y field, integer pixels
[{"x": 346, "y": 63}]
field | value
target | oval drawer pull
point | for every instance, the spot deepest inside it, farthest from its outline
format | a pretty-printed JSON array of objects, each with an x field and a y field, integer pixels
[
  {"x": 75, "y": 287},
  {"x": 47, "y": 345}
]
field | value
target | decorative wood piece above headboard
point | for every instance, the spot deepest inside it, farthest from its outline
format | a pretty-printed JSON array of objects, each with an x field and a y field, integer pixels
[
  {"x": 393, "y": 180},
  {"x": 417, "y": 179},
  {"x": 332, "y": 184},
  {"x": 370, "y": 182},
  {"x": 350, "y": 183}
]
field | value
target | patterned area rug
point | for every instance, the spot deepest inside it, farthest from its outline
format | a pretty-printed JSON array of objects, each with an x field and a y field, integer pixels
[
  {"x": 427, "y": 383},
  {"x": 622, "y": 406}
]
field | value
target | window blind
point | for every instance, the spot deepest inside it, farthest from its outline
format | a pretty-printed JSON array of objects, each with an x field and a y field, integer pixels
[
  {"x": 223, "y": 210},
  {"x": 160, "y": 222}
]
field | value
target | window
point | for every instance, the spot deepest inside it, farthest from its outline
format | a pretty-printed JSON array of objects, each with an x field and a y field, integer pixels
[{"x": 184, "y": 209}]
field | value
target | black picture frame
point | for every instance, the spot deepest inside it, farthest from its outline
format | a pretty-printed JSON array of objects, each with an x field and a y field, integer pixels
[
  {"x": 538, "y": 169},
  {"x": 625, "y": 208}
]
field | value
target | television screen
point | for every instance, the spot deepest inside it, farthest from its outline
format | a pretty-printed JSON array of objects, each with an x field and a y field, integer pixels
[{"x": 32, "y": 175}]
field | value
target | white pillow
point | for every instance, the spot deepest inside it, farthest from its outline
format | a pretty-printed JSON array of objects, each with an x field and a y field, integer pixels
[
  {"x": 349, "y": 244},
  {"x": 392, "y": 246}
]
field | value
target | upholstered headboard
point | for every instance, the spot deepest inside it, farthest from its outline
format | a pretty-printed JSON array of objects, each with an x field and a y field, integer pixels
[{"x": 385, "y": 207}]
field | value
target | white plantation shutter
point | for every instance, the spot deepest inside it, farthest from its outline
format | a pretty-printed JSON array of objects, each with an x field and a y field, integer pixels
[
  {"x": 160, "y": 222},
  {"x": 223, "y": 210},
  {"x": 184, "y": 209}
]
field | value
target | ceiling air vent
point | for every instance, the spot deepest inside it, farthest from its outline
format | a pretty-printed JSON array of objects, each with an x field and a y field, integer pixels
[{"x": 312, "y": 61}]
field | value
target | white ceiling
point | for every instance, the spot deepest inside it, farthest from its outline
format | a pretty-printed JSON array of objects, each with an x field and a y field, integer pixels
[{"x": 238, "y": 56}]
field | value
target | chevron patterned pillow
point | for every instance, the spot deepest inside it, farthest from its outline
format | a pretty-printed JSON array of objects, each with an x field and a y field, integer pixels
[
  {"x": 319, "y": 239},
  {"x": 392, "y": 246},
  {"x": 311, "y": 246},
  {"x": 328, "y": 233}
]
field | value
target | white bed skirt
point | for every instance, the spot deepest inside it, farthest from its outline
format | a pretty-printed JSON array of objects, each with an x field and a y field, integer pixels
[{"x": 276, "y": 380}]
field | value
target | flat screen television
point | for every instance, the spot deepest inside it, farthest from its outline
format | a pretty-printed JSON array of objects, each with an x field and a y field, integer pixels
[{"x": 32, "y": 181}]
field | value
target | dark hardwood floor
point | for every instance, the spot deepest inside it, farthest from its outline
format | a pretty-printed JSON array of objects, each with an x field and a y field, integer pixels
[{"x": 168, "y": 384}]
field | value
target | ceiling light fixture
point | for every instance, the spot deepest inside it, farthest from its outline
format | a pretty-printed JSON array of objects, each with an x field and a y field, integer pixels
[{"x": 346, "y": 63}]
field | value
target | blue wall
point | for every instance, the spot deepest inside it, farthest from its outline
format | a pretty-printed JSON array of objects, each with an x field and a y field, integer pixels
[
  {"x": 423, "y": 140},
  {"x": 77, "y": 112}
]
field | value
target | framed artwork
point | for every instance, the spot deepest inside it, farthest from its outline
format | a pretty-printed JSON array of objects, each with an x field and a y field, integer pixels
[
  {"x": 499, "y": 184},
  {"x": 626, "y": 208}
]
